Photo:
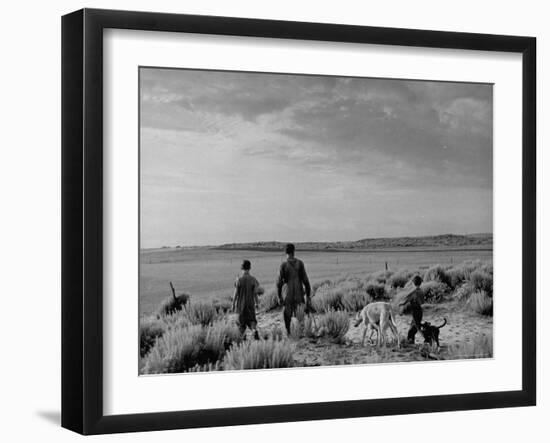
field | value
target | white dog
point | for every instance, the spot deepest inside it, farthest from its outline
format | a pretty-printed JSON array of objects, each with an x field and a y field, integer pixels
[{"x": 378, "y": 317}]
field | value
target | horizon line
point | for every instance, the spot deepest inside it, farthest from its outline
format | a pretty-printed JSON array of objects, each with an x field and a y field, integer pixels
[{"x": 313, "y": 242}]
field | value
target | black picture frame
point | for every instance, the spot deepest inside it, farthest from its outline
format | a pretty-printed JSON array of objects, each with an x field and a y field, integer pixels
[{"x": 82, "y": 220}]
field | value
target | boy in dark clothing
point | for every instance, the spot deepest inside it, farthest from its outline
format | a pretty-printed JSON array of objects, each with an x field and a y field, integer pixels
[
  {"x": 413, "y": 305},
  {"x": 245, "y": 300},
  {"x": 292, "y": 273}
]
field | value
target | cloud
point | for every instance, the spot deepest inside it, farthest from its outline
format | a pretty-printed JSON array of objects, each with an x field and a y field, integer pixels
[{"x": 344, "y": 140}]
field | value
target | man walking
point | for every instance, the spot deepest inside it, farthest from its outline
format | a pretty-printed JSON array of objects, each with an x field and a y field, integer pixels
[
  {"x": 292, "y": 273},
  {"x": 245, "y": 300}
]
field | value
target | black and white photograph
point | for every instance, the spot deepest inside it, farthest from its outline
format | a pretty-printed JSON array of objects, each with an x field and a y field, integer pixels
[{"x": 301, "y": 220}]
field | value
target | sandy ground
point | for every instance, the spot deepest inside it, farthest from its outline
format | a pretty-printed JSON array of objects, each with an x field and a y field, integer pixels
[{"x": 456, "y": 338}]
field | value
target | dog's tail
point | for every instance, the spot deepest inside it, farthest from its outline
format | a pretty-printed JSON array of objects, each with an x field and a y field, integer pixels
[
  {"x": 442, "y": 324},
  {"x": 358, "y": 320}
]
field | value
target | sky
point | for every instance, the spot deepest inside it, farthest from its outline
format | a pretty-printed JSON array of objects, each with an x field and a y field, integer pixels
[{"x": 228, "y": 157}]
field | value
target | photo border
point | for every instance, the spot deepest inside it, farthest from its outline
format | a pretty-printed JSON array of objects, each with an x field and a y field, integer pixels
[{"x": 82, "y": 220}]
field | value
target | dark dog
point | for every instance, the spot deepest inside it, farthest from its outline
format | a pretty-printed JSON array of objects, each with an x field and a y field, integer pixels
[{"x": 431, "y": 332}]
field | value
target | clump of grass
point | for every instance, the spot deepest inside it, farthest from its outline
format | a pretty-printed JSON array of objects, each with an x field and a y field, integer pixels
[
  {"x": 202, "y": 313},
  {"x": 381, "y": 276},
  {"x": 399, "y": 279},
  {"x": 481, "y": 303},
  {"x": 377, "y": 291},
  {"x": 437, "y": 273},
  {"x": 176, "y": 351},
  {"x": 222, "y": 306},
  {"x": 260, "y": 354},
  {"x": 269, "y": 300},
  {"x": 327, "y": 299},
  {"x": 149, "y": 330},
  {"x": 456, "y": 277},
  {"x": 334, "y": 324},
  {"x": 303, "y": 325},
  {"x": 434, "y": 291},
  {"x": 173, "y": 304},
  {"x": 482, "y": 281},
  {"x": 222, "y": 334},
  {"x": 183, "y": 348},
  {"x": 320, "y": 284},
  {"x": 355, "y": 300},
  {"x": 463, "y": 292},
  {"x": 480, "y": 347}
]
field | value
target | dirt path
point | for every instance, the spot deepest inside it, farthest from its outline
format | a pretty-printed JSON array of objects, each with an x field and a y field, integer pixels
[{"x": 460, "y": 338}]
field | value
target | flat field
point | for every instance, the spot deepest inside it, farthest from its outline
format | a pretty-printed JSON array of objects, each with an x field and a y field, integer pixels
[{"x": 208, "y": 274}]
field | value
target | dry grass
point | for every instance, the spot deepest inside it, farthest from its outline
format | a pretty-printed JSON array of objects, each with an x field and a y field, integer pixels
[
  {"x": 171, "y": 305},
  {"x": 327, "y": 298},
  {"x": 182, "y": 348},
  {"x": 201, "y": 313},
  {"x": 479, "y": 347},
  {"x": 149, "y": 330},
  {"x": 333, "y": 324},
  {"x": 260, "y": 354},
  {"x": 269, "y": 300},
  {"x": 481, "y": 303}
]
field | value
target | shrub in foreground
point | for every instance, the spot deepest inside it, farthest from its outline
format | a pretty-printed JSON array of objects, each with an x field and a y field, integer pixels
[
  {"x": 480, "y": 346},
  {"x": 183, "y": 348},
  {"x": 482, "y": 281},
  {"x": 259, "y": 354},
  {"x": 481, "y": 303},
  {"x": 327, "y": 299},
  {"x": 176, "y": 351},
  {"x": 269, "y": 300},
  {"x": 334, "y": 324},
  {"x": 355, "y": 300},
  {"x": 149, "y": 330},
  {"x": 223, "y": 305},
  {"x": 201, "y": 313}
]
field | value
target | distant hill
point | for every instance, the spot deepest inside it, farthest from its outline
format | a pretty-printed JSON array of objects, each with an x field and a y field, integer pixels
[{"x": 447, "y": 241}]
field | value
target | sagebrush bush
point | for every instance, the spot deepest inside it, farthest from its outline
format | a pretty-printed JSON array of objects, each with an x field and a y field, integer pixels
[
  {"x": 326, "y": 299},
  {"x": 269, "y": 300},
  {"x": 223, "y": 306},
  {"x": 303, "y": 325},
  {"x": 456, "y": 277},
  {"x": 380, "y": 276},
  {"x": 481, "y": 303},
  {"x": 183, "y": 348},
  {"x": 434, "y": 290},
  {"x": 222, "y": 334},
  {"x": 481, "y": 346},
  {"x": 399, "y": 279},
  {"x": 334, "y": 324},
  {"x": 259, "y": 354},
  {"x": 201, "y": 313},
  {"x": 377, "y": 291},
  {"x": 319, "y": 284},
  {"x": 176, "y": 351},
  {"x": 463, "y": 292},
  {"x": 482, "y": 281},
  {"x": 355, "y": 300},
  {"x": 171, "y": 305},
  {"x": 437, "y": 273},
  {"x": 149, "y": 330}
]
